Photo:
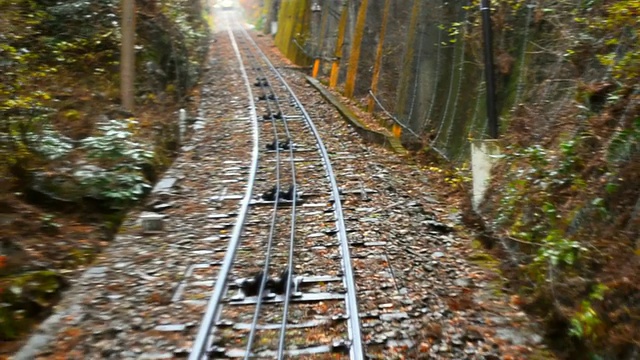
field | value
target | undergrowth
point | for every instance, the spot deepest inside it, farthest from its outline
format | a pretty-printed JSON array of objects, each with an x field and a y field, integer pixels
[
  {"x": 564, "y": 206},
  {"x": 71, "y": 160}
]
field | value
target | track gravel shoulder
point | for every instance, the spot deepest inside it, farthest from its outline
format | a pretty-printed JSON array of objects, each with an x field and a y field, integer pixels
[{"x": 428, "y": 300}]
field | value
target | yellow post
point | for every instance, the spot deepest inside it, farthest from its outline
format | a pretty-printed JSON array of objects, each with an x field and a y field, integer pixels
[
  {"x": 335, "y": 67},
  {"x": 397, "y": 130},
  {"x": 354, "y": 57},
  {"x": 378, "y": 63},
  {"x": 316, "y": 67}
]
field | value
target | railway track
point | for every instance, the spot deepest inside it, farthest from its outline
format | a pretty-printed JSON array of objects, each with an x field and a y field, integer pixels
[{"x": 285, "y": 286}]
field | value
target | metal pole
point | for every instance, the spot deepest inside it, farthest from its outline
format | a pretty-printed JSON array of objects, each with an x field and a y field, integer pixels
[{"x": 492, "y": 114}]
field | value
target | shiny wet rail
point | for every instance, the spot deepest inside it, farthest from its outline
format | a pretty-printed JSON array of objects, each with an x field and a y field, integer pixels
[{"x": 290, "y": 179}]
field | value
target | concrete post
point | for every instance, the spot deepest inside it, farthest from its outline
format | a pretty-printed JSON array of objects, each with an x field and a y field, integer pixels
[
  {"x": 182, "y": 125},
  {"x": 484, "y": 154}
]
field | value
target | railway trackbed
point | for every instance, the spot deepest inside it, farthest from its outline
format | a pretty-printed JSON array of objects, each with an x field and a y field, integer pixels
[{"x": 267, "y": 288}]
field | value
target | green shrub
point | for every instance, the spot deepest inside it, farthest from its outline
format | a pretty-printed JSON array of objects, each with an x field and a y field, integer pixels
[{"x": 119, "y": 179}]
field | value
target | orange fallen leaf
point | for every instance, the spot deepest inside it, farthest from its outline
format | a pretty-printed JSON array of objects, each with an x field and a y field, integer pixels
[
  {"x": 515, "y": 300},
  {"x": 73, "y": 332}
]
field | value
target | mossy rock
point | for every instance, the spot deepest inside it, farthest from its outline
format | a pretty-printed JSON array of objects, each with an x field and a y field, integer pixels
[
  {"x": 25, "y": 298},
  {"x": 72, "y": 115},
  {"x": 38, "y": 287},
  {"x": 483, "y": 258},
  {"x": 77, "y": 257}
]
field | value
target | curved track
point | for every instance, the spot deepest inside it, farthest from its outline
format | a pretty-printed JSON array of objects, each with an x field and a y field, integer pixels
[{"x": 305, "y": 306}]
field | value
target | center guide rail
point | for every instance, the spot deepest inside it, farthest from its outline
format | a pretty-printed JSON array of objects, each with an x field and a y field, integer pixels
[{"x": 257, "y": 290}]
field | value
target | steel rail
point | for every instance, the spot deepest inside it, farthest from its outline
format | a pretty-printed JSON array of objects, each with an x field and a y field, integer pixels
[
  {"x": 292, "y": 232},
  {"x": 289, "y": 268},
  {"x": 202, "y": 338},
  {"x": 292, "y": 239},
  {"x": 356, "y": 350},
  {"x": 265, "y": 270},
  {"x": 274, "y": 217}
]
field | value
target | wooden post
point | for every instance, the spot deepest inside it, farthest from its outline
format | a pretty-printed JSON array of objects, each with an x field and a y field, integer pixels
[
  {"x": 335, "y": 67},
  {"x": 378, "y": 63},
  {"x": 354, "y": 56},
  {"x": 127, "y": 55}
]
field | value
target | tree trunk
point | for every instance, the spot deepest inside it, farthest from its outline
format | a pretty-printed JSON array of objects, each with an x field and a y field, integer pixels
[
  {"x": 408, "y": 70},
  {"x": 335, "y": 67},
  {"x": 354, "y": 55},
  {"x": 270, "y": 15},
  {"x": 127, "y": 55},
  {"x": 378, "y": 64}
]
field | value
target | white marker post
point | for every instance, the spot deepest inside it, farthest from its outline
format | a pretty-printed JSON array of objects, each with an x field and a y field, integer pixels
[{"x": 182, "y": 125}]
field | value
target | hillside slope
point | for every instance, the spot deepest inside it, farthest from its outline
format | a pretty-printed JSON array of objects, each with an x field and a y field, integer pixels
[{"x": 71, "y": 160}]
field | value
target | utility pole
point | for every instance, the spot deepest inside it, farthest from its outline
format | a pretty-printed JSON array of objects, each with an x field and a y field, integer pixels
[
  {"x": 127, "y": 55},
  {"x": 492, "y": 114}
]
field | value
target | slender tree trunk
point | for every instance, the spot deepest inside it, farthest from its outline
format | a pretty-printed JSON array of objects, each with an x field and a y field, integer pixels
[
  {"x": 271, "y": 6},
  {"x": 127, "y": 55},
  {"x": 378, "y": 63},
  {"x": 407, "y": 66},
  {"x": 321, "y": 38},
  {"x": 354, "y": 56},
  {"x": 323, "y": 29},
  {"x": 335, "y": 67}
]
